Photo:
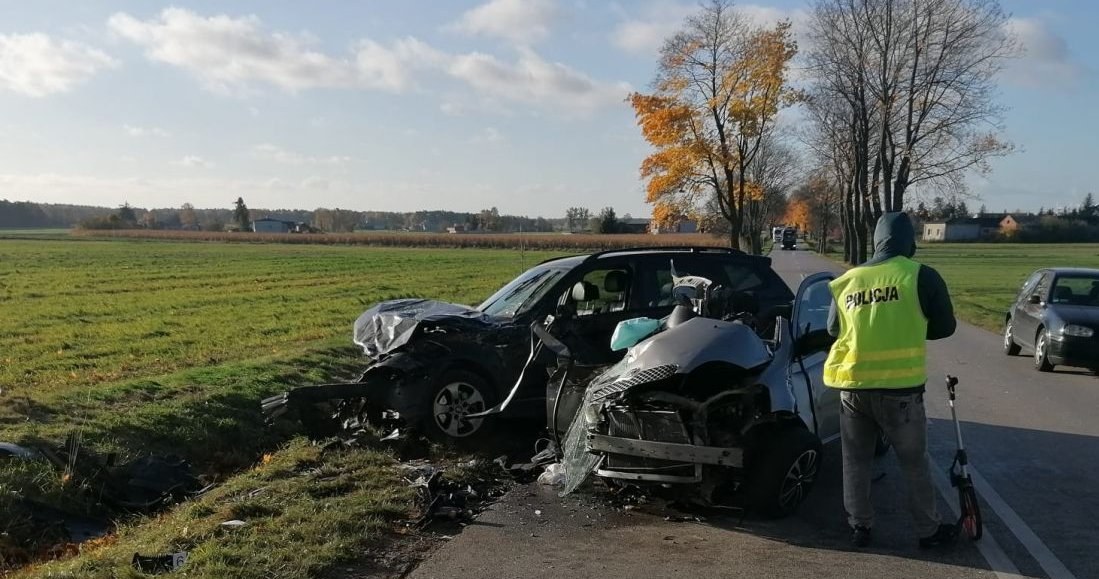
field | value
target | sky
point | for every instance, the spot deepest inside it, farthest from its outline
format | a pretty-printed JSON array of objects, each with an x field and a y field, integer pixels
[{"x": 424, "y": 104}]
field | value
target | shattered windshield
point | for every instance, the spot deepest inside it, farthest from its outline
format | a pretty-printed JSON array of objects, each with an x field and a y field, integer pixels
[{"x": 523, "y": 292}]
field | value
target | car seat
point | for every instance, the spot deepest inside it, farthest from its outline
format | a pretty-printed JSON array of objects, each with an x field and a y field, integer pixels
[
  {"x": 616, "y": 282},
  {"x": 586, "y": 293},
  {"x": 1062, "y": 295},
  {"x": 1093, "y": 295},
  {"x": 664, "y": 298}
]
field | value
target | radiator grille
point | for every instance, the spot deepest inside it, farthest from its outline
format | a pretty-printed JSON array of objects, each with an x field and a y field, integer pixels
[{"x": 653, "y": 374}]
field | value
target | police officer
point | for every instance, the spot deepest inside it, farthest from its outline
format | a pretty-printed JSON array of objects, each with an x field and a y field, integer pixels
[{"x": 882, "y": 313}]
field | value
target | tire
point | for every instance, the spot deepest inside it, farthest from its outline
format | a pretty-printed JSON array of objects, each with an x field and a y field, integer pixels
[
  {"x": 1010, "y": 347},
  {"x": 882, "y": 444},
  {"x": 1041, "y": 352},
  {"x": 785, "y": 472},
  {"x": 456, "y": 393},
  {"x": 970, "y": 521}
]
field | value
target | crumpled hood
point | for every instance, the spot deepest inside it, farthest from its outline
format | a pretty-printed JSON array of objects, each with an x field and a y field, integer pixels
[
  {"x": 390, "y": 325},
  {"x": 894, "y": 236}
]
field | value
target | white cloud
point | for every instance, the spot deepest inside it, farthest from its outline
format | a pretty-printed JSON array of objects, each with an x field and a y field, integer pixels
[
  {"x": 518, "y": 21},
  {"x": 645, "y": 34},
  {"x": 134, "y": 131},
  {"x": 235, "y": 54},
  {"x": 37, "y": 65},
  {"x": 315, "y": 183},
  {"x": 193, "y": 161},
  {"x": 280, "y": 155},
  {"x": 488, "y": 135},
  {"x": 229, "y": 53},
  {"x": 1046, "y": 60},
  {"x": 532, "y": 79}
]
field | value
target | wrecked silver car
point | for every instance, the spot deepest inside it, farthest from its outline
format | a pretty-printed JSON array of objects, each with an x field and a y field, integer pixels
[{"x": 705, "y": 404}]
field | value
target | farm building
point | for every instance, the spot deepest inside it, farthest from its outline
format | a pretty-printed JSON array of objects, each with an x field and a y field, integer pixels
[
  {"x": 1011, "y": 224},
  {"x": 272, "y": 225},
  {"x": 962, "y": 229},
  {"x": 683, "y": 226},
  {"x": 633, "y": 225}
]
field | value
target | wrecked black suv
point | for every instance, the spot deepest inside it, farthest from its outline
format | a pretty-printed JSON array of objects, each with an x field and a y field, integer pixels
[{"x": 432, "y": 364}]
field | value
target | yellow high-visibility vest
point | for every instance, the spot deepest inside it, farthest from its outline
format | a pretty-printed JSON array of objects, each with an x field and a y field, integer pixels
[{"x": 883, "y": 329}]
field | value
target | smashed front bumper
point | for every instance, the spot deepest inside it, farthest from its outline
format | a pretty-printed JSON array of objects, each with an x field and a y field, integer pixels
[
  {"x": 654, "y": 445},
  {"x": 388, "y": 387}
]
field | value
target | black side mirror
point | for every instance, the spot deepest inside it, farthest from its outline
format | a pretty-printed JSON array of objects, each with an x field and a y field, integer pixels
[{"x": 1034, "y": 299}]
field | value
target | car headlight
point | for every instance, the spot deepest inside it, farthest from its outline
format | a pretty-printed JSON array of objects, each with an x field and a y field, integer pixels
[{"x": 1078, "y": 331}]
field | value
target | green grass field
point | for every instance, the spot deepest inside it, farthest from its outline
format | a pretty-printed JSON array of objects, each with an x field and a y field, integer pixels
[{"x": 167, "y": 347}]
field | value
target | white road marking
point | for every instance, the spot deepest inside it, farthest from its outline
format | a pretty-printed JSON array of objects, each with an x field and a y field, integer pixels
[
  {"x": 998, "y": 561},
  {"x": 1049, "y": 562}
]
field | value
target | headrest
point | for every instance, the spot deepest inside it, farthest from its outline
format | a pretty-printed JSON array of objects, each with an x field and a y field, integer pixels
[
  {"x": 616, "y": 281},
  {"x": 1062, "y": 292},
  {"x": 584, "y": 291}
]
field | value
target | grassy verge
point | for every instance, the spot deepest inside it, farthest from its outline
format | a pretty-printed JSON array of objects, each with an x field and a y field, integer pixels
[
  {"x": 984, "y": 278},
  {"x": 305, "y": 510}
]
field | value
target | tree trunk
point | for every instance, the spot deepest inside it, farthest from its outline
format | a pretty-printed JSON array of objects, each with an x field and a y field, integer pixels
[{"x": 849, "y": 241}]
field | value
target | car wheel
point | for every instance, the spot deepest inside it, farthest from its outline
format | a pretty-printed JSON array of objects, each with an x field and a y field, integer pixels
[
  {"x": 787, "y": 469},
  {"x": 1041, "y": 352},
  {"x": 456, "y": 394},
  {"x": 1010, "y": 347},
  {"x": 882, "y": 444}
]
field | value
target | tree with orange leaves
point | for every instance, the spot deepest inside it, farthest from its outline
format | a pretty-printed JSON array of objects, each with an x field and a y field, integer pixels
[
  {"x": 719, "y": 87},
  {"x": 797, "y": 214}
]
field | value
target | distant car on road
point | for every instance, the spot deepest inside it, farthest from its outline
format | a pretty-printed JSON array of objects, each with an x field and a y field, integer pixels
[
  {"x": 1056, "y": 315},
  {"x": 789, "y": 238}
]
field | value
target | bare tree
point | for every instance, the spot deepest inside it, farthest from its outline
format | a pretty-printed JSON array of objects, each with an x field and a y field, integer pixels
[{"x": 916, "y": 83}]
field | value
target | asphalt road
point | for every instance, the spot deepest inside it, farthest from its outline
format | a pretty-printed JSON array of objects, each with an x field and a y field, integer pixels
[{"x": 1033, "y": 440}]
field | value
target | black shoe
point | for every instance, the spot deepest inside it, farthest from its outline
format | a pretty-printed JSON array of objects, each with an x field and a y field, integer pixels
[
  {"x": 944, "y": 536},
  {"x": 860, "y": 536}
]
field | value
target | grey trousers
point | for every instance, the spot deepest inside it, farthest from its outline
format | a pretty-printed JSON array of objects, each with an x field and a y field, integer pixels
[{"x": 903, "y": 419}]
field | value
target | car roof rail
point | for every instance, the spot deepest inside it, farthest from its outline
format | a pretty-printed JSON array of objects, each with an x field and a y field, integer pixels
[{"x": 675, "y": 248}]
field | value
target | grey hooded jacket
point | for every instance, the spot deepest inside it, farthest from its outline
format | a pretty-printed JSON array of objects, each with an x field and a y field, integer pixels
[{"x": 894, "y": 237}]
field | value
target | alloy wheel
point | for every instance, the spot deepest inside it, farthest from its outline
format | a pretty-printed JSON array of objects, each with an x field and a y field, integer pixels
[
  {"x": 1041, "y": 356},
  {"x": 453, "y": 403},
  {"x": 796, "y": 483}
]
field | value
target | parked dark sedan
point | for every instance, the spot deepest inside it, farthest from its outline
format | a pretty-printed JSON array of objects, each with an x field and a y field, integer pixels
[{"x": 1056, "y": 315}]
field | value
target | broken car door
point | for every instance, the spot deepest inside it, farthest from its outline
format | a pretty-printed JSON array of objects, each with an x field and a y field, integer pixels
[{"x": 811, "y": 344}]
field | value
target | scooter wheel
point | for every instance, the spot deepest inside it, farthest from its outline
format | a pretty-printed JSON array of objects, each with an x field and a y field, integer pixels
[{"x": 971, "y": 512}]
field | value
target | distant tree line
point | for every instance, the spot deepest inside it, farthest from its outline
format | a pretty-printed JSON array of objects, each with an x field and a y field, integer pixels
[
  {"x": 18, "y": 214},
  {"x": 28, "y": 214},
  {"x": 942, "y": 210}
]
